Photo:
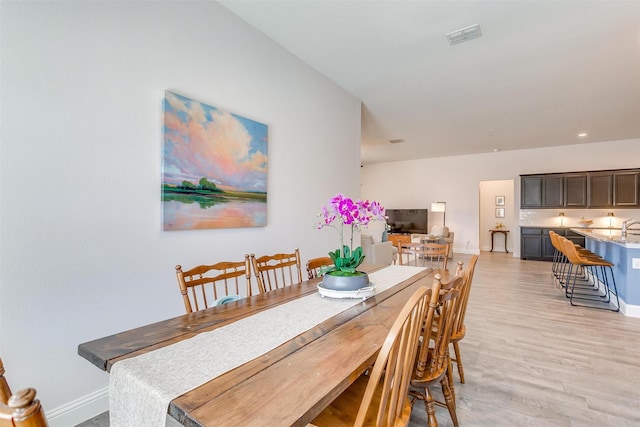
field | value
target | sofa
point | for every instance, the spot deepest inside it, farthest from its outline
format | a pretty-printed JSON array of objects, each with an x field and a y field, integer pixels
[
  {"x": 377, "y": 252},
  {"x": 376, "y": 248}
]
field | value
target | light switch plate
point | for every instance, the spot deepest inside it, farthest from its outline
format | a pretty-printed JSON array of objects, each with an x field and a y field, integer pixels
[{"x": 635, "y": 263}]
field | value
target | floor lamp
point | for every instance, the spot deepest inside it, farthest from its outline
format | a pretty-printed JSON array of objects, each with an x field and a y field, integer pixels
[{"x": 440, "y": 207}]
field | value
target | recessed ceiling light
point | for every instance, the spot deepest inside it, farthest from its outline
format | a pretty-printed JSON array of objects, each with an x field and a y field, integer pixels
[
  {"x": 396, "y": 141},
  {"x": 583, "y": 134},
  {"x": 495, "y": 150},
  {"x": 465, "y": 34}
]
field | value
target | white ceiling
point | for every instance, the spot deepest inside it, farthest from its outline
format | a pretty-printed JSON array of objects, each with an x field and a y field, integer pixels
[{"x": 542, "y": 72}]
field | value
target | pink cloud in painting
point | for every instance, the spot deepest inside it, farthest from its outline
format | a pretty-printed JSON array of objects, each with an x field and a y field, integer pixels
[{"x": 202, "y": 141}]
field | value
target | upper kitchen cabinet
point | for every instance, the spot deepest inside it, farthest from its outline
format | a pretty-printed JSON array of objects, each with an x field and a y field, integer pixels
[
  {"x": 531, "y": 191},
  {"x": 597, "y": 189},
  {"x": 575, "y": 190},
  {"x": 626, "y": 189},
  {"x": 552, "y": 191},
  {"x": 600, "y": 194},
  {"x": 542, "y": 191}
]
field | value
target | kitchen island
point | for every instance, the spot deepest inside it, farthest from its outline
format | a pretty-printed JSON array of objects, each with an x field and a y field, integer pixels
[{"x": 622, "y": 251}]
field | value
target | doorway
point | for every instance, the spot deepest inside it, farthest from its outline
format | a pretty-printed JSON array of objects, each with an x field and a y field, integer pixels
[{"x": 497, "y": 208}]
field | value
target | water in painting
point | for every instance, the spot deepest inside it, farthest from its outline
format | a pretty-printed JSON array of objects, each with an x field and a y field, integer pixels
[{"x": 215, "y": 167}]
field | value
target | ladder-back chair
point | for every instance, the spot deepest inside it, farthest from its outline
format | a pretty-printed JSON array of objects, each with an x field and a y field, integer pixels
[
  {"x": 458, "y": 330},
  {"x": 433, "y": 356},
  {"x": 417, "y": 253},
  {"x": 314, "y": 266},
  {"x": 381, "y": 398},
  {"x": 21, "y": 409},
  {"x": 206, "y": 285},
  {"x": 5, "y": 391},
  {"x": 277, "y": 271}
]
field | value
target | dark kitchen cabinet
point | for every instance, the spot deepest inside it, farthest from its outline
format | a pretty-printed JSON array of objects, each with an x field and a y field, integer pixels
[
  {"x": 548, "y": 250},
  {"x": 575, "y": 237},
  {"x": 597, "y": 189},
  {"x": 575, "y": 190},
  {"x": 531, "y": 192},
  {"x": 600, "y": 191},
  {"x": 542, "y": 191},
  {"x": 553, "y": 191},
  {"x": 625, "y": 189},
  {"x": 535, "y": 242},
  {"x": 530, "y": 243}
]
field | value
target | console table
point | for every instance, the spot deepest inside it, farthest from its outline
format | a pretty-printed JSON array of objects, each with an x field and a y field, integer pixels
[{"x": 493, "y": 232}]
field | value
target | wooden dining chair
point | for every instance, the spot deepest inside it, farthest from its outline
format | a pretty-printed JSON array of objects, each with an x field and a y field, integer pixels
[
  {"x": 277, "y": 271},
  {"x": 5, "y": 391},
  {"x": 433, "y": 356},
  {"x": 417, "y": 253},
  {"x": 381, "y": 398},
  {"x": 21, "y": 409},
  {"x": 458, "y": 329},
  {"x": 314, "y": 266},
  {"x": 205, "y": 285}
]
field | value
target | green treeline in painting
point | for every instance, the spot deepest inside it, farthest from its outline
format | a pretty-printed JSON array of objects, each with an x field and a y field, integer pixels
[{"x": 205, "y": 187}]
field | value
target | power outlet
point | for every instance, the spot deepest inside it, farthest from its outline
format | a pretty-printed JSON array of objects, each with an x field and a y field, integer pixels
[{"x": 635, "y": 263}]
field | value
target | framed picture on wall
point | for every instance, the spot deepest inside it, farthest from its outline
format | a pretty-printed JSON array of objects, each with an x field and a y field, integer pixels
[
  {"x": 214, "y": 167},
  {"x": 499, "y": 200},
  {"x": 499, "y": 212}
]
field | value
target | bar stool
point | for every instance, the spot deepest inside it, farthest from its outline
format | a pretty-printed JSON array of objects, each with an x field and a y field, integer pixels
[
  {"x": 589, "y": 268},
  {"x": 560, "y": 263},
  {"x": 559, "y": 259}
]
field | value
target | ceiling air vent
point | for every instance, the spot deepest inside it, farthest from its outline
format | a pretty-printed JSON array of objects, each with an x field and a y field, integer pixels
[
  {"x": 465, "y": 34},
  {"x": 396, "y": 141}
]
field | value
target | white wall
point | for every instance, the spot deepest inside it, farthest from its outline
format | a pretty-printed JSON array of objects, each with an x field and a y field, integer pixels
[
  {"x": 82, "y": 251},
  {"x": 418, "y": 183},
  {"x": 489, "y": 190}
]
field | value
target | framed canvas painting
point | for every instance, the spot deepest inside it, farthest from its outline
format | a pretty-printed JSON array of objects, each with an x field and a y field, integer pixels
[{"x": 214, "y": 171}]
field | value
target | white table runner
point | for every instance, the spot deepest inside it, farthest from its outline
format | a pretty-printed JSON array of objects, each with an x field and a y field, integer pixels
[{"x": 141, "y": 388}]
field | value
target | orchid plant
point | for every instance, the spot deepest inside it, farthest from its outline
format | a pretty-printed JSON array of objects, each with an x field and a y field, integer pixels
[{"x": 343, "y": 212}]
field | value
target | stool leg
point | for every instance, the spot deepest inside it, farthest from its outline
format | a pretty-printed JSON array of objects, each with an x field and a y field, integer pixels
[
  {"x": 593, "y": 283},
  {"x": 605, "y": 297},
  {"x": 564, "y": 275},
  {"x": 615, "y": 289}
]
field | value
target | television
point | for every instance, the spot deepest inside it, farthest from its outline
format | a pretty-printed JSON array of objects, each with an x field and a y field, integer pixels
[{"x": 407, "y": 221}]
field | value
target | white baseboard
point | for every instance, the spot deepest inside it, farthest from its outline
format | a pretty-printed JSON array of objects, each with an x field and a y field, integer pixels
[
  {"x": 79, "y": 410},
  {"x": 629, "y": 310},
  {"x": 470, "y": 251},
  {"x": 626, "y": 309}
]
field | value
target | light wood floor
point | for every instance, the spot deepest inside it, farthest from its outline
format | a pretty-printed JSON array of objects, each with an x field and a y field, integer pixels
[{"x": 531, "y": 359}]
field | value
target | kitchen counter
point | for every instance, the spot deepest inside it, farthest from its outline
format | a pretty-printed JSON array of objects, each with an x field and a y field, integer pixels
[
  {"x": 624, "y": 253},
  {"x": 611, "y": 235}
]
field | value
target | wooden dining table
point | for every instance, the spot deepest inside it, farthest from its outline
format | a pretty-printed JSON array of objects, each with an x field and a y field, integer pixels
[{"x": 287, "y": 386}]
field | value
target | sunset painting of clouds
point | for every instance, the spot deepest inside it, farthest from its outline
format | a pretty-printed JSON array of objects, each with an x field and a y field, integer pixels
[{"x": 215, "y": 167}]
